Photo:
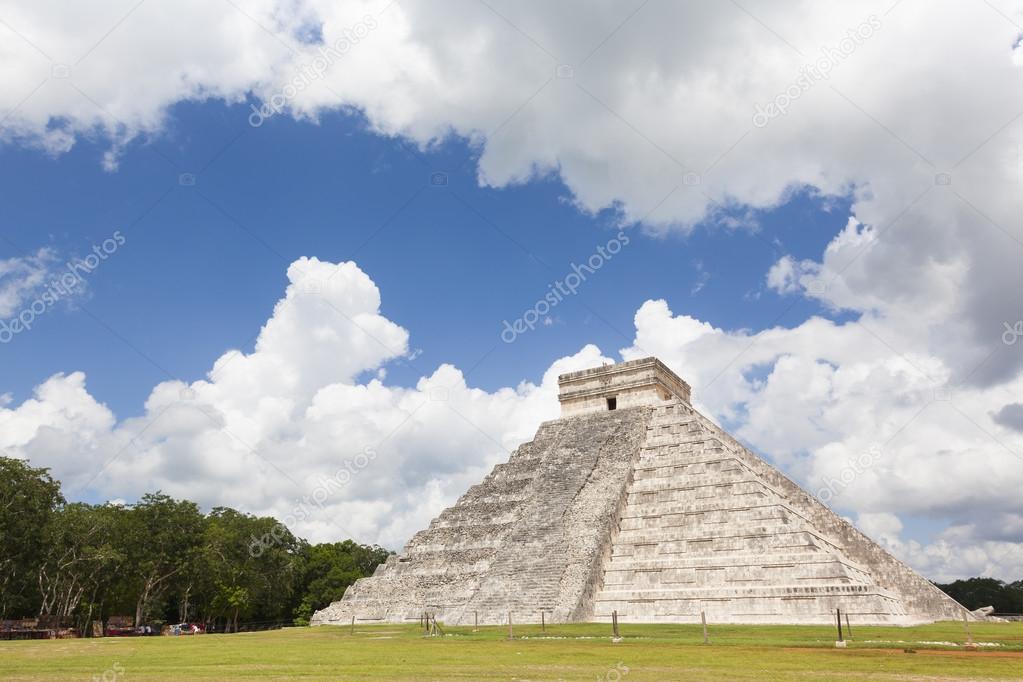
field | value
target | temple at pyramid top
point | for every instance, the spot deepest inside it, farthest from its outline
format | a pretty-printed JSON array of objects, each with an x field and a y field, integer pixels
[{"x": 636, "y": 383}]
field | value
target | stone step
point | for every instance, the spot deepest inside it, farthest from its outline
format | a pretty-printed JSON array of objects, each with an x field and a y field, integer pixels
[
  {"x": 762, "y": 560},
  {"x": 674, "y": 470},
  {"x": 717, "y": 593},
  {"x": 657, "y": 445},
  {"x": 699, "y": 493},
  {"x": 824, "y": 572},
  {"x": 695, "y": 546},
  {"x": 671, "y": 456},
  {"x": 727, "y": 477},
  {"x": 656, "y": 510},
  {"x": 749, "y": 516},
  {"x": 704, "y": 532}
]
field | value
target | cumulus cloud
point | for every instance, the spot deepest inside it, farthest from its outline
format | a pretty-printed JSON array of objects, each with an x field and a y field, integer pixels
[
  {"x": 783, "y": 276},
  {"x": 957, "y": 552},
  {"x": 1010, "y": 416},
  {"x": 306, "y": 428},
  {"x": 289, "y": 429},
  {"x": 21, "y": 277},
  {"x": 648, "y": 112},
  {"x": 867, "y": 430}
]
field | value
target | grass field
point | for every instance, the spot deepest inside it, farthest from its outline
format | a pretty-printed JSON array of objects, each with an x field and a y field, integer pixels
[{"x": 565, "y": 652}]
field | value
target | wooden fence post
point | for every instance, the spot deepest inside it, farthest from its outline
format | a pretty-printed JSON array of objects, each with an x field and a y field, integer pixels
[
  {"x": 543, "y": 622},
  {"x": 969, "y": 636},
  {"x": 703, "y": 619}
]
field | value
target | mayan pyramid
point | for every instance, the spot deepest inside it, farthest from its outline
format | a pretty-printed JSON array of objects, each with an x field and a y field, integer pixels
[{"x": 635, "y": 502}]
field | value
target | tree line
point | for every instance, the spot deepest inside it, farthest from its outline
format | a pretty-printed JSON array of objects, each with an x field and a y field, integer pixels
[
  {"x": 975, "y": 593},
  {"x": 159, "y": 560},
  {"x": 163, "y": 560}
]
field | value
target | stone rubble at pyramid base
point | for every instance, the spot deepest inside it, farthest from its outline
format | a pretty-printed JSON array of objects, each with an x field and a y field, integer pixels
[{"x": 651, "y": 511}]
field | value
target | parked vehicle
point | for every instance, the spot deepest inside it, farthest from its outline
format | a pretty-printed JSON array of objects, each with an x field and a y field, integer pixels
[{"x": 185, "y": 629}]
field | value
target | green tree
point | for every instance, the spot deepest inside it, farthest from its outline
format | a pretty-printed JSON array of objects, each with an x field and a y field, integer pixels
[
  {"x": 974, "y": 593},
  {"x": 249, "y": 568},
  {"x": 160, "y": 557},
  {"x": 161, "y": 539},
  {"x": 329, "y": 569},
  {"x": 80, "y": 558},
  {"x": 107, "y": 586},
  {"x": 28, "y": 500}
]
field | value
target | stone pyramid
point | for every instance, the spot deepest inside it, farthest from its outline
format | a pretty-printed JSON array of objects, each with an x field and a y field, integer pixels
[{"x": 634, "y": 502}]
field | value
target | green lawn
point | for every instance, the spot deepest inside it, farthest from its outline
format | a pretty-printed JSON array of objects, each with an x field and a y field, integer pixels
[{"x": 578, "y": 651}]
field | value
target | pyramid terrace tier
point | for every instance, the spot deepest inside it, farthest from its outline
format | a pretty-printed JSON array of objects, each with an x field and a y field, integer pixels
[{"x": 782, "y": 604}]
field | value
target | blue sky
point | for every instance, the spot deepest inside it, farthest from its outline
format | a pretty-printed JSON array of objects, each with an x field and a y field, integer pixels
[
  {"x": 856, "y": 293},
  {"x": 203, "y": 264}
]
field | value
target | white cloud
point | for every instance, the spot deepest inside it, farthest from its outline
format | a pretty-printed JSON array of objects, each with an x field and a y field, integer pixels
[
  {"x": 957, "y": 552},
  {"x": 269, "y": 430},
  {"x": 21, "y": 277},
  {"x": 866, "y": 429},
  {"x": 702, "y": 277},
  {"x": 919, "y": 126},
  {"x": 1010, "y": 416},
  {"x": 918, "y": 122},
  {"x": 783, "y": 276}
]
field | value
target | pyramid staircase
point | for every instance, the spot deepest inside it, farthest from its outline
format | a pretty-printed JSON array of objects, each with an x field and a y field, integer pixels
[{"x": 531, "y": 537}]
